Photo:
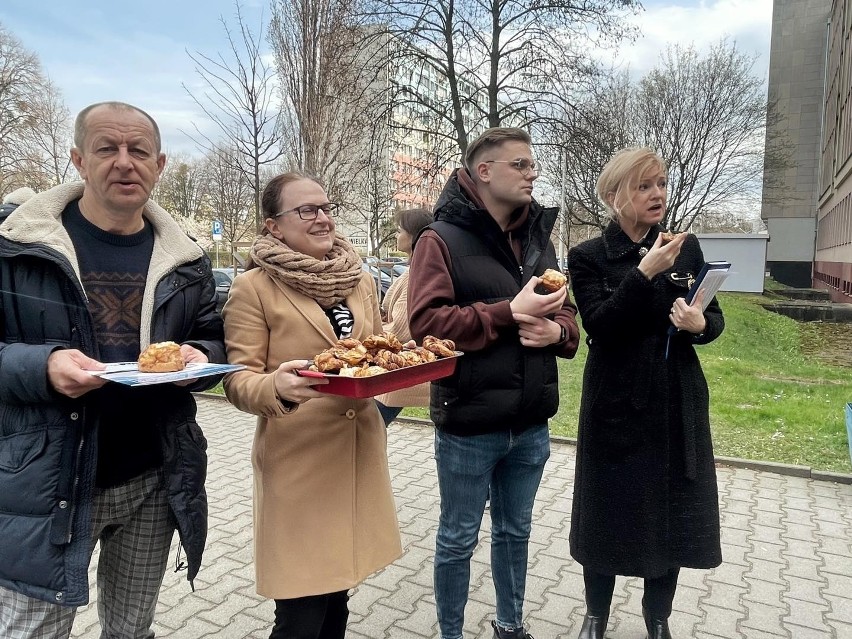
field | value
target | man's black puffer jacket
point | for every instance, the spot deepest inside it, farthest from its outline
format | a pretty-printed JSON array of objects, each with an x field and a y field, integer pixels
[{"x": 48, "y": 453}]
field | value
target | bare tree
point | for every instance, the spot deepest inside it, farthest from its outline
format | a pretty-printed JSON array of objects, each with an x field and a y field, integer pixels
[
  {"x": 326, "y": 87},
  {"x": 230, "y": 196},
  {"x": 376, "y": 193},
  {"x": 503, "y": 62},
  {"x": 319, "y": 79},
  {"x": 335, "y": 75},
  {"x": 239, "y": 97},
  {"x": 33, "y": 121},
  {"x": 600, "y": 124},
  {"x": 52, "y": 137},
  {"x": 706, "y": 115},
  {"x": 183, "y": 187}
]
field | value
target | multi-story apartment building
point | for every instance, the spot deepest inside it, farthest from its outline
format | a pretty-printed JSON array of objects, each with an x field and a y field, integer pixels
[
  {"x": 833, "y": 260},
  {"x": 413, "y": 150},
  {"x": 808, "y": 205},
  {"x": 424, "y": 152}
]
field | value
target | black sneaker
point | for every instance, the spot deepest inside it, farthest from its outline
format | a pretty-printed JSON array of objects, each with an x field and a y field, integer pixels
[{"x": 518, "y": 633}]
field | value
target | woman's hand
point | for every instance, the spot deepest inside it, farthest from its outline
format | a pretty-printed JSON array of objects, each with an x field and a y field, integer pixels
[
  {"x": 660, "y": 257},
  {"x": 687, "y": 317},
  {"x": 293, "y": 388}
]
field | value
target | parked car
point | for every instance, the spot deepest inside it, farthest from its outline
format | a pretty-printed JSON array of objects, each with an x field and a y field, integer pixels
[
  {"x": 383, "y": 280},
  {"x": 223, "y": 277},
  {"x": 393, "y": 270}
]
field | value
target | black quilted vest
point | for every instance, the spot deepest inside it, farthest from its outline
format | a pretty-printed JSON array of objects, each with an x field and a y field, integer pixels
[{"x": 506, "y": 386}]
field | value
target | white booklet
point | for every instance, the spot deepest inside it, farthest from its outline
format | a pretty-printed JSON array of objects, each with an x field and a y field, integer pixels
[
  {"x": 709, "y": 281},
  {"x": 128, "y": 373}
]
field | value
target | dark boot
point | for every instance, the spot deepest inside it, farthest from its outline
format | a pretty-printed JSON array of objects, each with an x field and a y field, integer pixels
[
  {"x": 518, "y": 633},
  {"x": 657, "y": 628},
  {"x": 593, "y": 627}
]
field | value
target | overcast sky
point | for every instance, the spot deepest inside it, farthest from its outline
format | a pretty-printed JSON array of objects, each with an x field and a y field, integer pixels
[{"x": 97, "y": 50}]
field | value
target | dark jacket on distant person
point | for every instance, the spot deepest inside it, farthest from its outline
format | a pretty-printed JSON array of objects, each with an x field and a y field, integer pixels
[
  {"x": 645, "y": 497},
  {"x": 465, "y": 270},
  {"x": 48, "y": 452}
]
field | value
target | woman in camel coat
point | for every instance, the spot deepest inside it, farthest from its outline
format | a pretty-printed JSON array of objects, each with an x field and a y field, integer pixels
[{"x": 324, "y": 514}]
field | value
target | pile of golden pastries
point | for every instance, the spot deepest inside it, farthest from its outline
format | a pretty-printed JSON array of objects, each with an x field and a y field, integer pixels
[{"x": 379, "y": 354}]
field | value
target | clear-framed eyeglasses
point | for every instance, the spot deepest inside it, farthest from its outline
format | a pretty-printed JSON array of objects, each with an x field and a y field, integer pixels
[
  {"x": 309, "y": 212},
  {"x": 523, "y": 165}
]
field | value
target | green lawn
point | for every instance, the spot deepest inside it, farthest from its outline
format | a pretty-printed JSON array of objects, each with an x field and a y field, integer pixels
[{"x": 769, "y": 400}]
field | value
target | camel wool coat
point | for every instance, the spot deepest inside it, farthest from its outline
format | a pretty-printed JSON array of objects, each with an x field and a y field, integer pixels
[{"x": 324, "y": 513}]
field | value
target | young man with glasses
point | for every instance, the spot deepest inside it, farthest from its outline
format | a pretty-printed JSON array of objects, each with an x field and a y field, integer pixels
[{"x": 472, "y": 279}]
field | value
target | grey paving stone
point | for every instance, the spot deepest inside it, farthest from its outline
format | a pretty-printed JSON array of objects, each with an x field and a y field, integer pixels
[
  {"x": 841, "y": 610},
  {"x": 765, "y": 618},
  {"x": 787, "y": 545},
  {"x": 805, "y": 613},
  {"x": 721, "y": 621},
  {"x": 765, "y": 592}
]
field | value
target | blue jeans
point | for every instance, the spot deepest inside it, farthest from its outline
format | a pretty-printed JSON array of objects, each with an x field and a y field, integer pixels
[{"x": 510, "y": 466}]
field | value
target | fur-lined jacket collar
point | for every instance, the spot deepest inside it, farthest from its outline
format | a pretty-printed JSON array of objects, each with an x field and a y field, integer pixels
[{"x": 38, "y": 221}]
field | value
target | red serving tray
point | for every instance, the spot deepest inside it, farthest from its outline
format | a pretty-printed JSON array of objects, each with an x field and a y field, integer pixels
[{"x": 361, "y": 387}]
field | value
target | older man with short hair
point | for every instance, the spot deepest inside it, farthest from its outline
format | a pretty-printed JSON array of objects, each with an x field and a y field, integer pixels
[{"x": 92, "y": 273}]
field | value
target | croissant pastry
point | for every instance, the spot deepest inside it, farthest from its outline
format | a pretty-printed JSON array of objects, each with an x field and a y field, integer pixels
[
  {"x": 666, "y": 237},
  {"x": 347, "y": 343},
  {"x": 385, "y": 340},
  {"x": 552, "y": 280},
  {"x": 161, "y": 357},
  {"x": 389, "y": 360},
  {"x": 354, "y": 355},
  {"x": 369, "y": 371},
  {"x": 441, "y": 347},
  {"x": 326, "y": 362},
  {"x": 349, "y": 371},
  {"x": 411, "y": 357},
  {"x": 424, "y": 354}
]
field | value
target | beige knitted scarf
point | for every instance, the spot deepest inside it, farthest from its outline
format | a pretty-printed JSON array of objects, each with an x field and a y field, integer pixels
[{"x": 327, "y": 281}]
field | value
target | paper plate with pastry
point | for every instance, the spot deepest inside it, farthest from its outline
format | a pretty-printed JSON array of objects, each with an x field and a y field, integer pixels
[{"x": 129, "y": 373}]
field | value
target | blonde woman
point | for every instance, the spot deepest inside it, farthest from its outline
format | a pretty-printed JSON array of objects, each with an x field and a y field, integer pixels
[{"x": 645, "y": 501}]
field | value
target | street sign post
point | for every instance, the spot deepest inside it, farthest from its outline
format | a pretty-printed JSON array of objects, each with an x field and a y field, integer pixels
[{"x": 217, "y": 237}]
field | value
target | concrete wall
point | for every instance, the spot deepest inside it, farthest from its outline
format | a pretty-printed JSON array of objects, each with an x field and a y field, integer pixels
[
  {"x": 796, "y": 82},
  {"x": 745, "y": 252},
  {"x": 792, "y": 239}
]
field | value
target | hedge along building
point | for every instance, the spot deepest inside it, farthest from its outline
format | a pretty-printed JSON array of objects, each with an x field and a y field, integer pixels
[{"x": 807, "y": 205}]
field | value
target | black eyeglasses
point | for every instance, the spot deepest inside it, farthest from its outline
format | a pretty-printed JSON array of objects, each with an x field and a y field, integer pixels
[
  {"x": 523, "y": 165},
  {"x": 310, "y": 211}
]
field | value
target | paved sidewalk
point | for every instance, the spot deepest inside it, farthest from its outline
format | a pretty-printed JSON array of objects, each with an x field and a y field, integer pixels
[{"x": 787, "y": 545}]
